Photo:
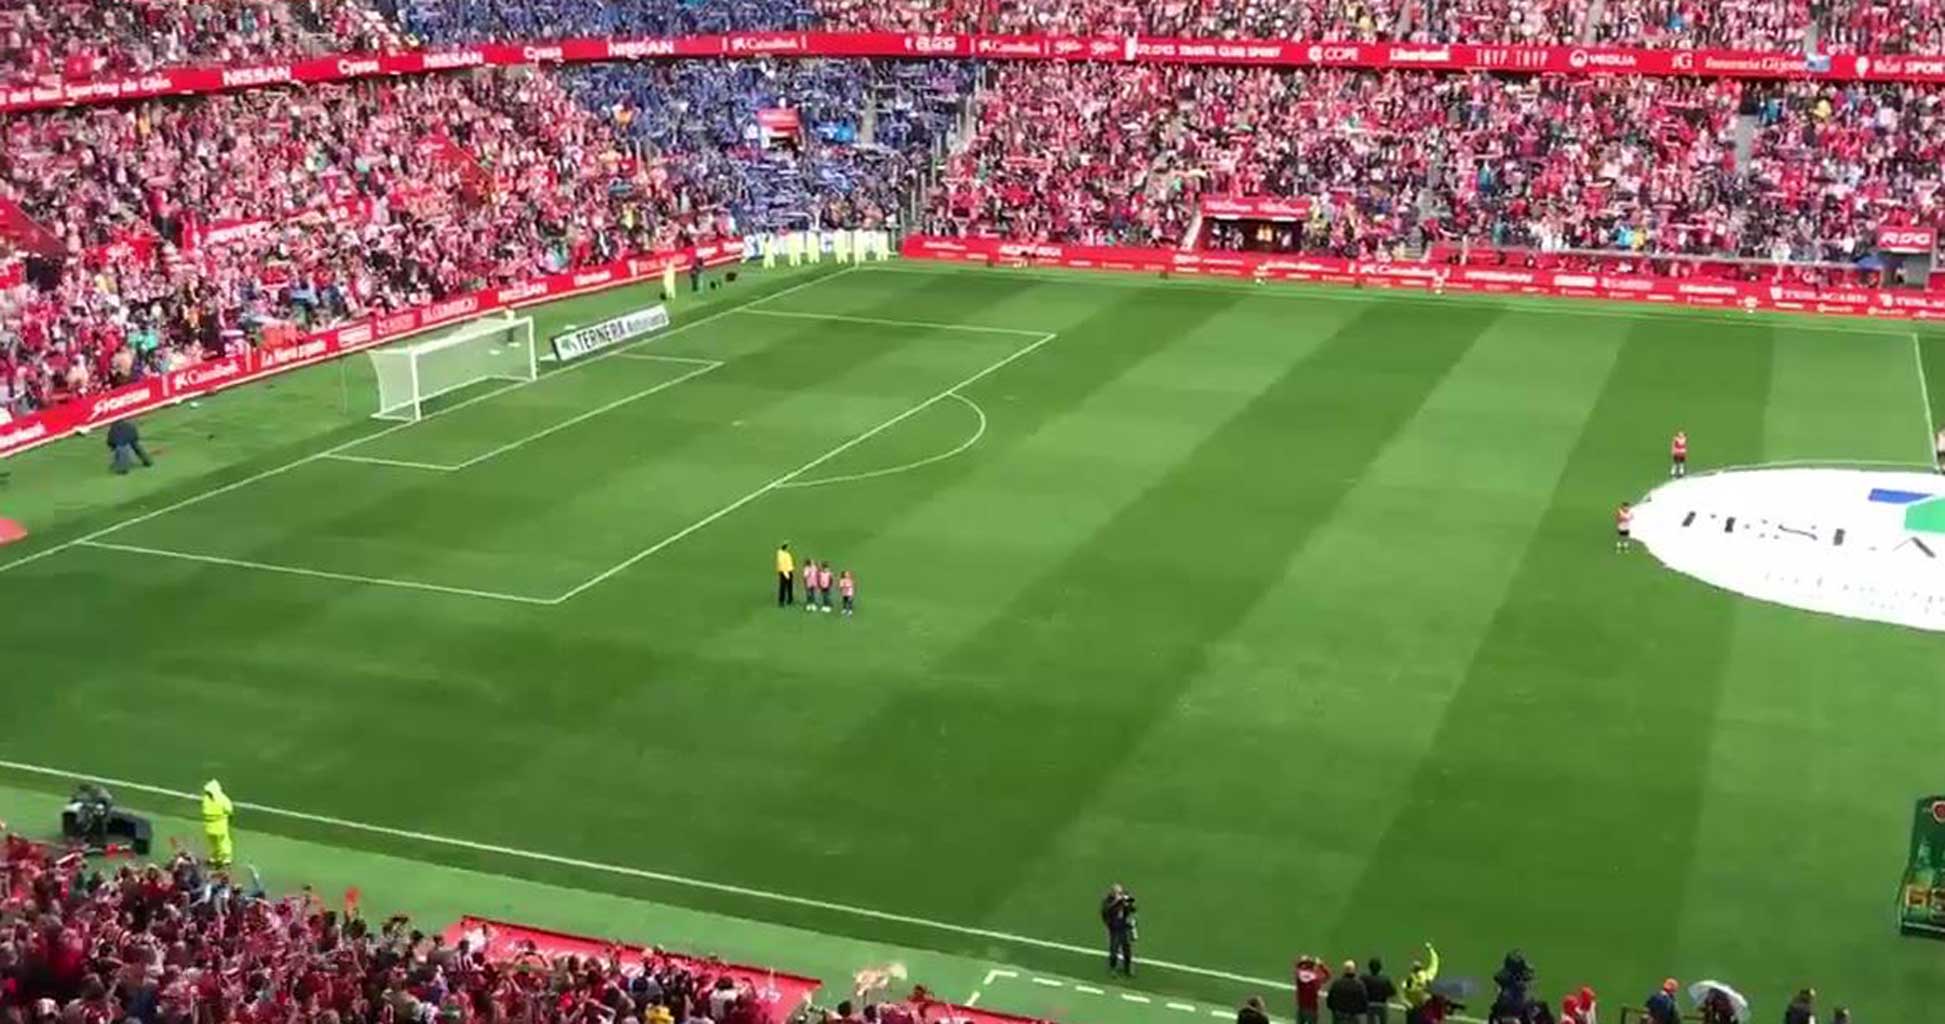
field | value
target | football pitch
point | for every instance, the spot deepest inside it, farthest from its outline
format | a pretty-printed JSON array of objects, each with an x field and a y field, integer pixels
[{"x": 1296, "y": 610}]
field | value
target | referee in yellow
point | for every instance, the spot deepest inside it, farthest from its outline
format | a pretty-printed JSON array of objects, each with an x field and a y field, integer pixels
[
  {"x": 786, "y": 577},
  {"x": 217, "y": 811}
]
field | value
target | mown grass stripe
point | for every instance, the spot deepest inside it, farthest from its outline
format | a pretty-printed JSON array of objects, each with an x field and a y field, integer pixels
[{"x": 1574, "y": 756}]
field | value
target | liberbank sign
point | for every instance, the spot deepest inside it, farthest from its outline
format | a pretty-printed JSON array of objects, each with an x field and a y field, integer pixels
[{"x": 1861, "y": 543}]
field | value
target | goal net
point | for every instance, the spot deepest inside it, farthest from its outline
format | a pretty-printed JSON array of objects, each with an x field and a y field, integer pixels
[{"x": 494, "y": 348}]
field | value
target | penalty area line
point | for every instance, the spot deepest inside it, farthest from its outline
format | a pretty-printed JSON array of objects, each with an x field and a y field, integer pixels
[
  {"x": 725, "y": 888},
  {"x": 395, "y": 428},
  {"x": 321, "y": 574},
  {"x": 922, "y": 325},
  {"x": 637, "y": 557}
]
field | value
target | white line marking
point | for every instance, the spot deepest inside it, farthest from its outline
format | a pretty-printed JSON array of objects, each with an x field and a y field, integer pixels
[
  {"x": 873, "y": 474},
  {"x": 414, "y": 584},
  {"x": 925, "y": 325},
  {"x": 1924, "y": 392},
  {"x": 624, "y": 565},
  {"x": 436, "y": 467},
  {"x": 999, "y": 972},
  {"x": 973, "y": 1000},
  {"x": 1089, "y": 990},
  {"x": 1184, "y": 1007},
  {"x": 455, "y": 407},
  {"x": 651, "y": 357},
  {"x": 1131, "y": 997},
  {"x": 1049, "y": 982},
  {"x": 292, "y": 570},
  {"x": 588, "y": 415},
  {"x": 652, "y": 876},
  {"x": 1307, "y": 290}
]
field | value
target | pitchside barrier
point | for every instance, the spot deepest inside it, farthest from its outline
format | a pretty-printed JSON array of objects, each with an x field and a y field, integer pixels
[
  {"x": 83, "y": 88},
  {"x": 1638, "y": 1015},
  {"x": 1437, "y": 278},
  {"x": 780, "y": 994}
]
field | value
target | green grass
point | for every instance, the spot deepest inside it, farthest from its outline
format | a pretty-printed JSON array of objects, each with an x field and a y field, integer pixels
[{"x": 1293, "y": 609}]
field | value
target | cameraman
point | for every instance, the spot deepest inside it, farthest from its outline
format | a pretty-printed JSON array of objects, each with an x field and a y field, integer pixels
[{"x": 1118, "y": 914}]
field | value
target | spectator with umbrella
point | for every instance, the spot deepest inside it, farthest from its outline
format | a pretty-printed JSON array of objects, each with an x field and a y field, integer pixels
[{"x": 1719, "y": 1003}]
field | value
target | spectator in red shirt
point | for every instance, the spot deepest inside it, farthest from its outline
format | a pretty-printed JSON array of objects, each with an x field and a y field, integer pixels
[{"x": 1311, "y": 973}]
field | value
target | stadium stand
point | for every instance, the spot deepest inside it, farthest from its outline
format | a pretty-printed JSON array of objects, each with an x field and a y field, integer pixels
[
  {"x": 102, "y": 941},
  {"x": 1400, "y": 161},
  {"x": 867, "y": 130},
  {"x": 89, "y": 942},
  {"x": 148, "y": 235},
  {"x": 193, "y": 226},
  {"x": 94, "y": 37}
]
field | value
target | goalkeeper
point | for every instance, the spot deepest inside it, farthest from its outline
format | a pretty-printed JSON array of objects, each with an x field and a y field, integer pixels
[{"x": 217, "y": 811}]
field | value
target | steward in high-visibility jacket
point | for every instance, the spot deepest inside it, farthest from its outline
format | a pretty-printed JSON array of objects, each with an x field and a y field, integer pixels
[
  {"x": 217, "y": 811},
  {"x": 1418, "y": 980}
]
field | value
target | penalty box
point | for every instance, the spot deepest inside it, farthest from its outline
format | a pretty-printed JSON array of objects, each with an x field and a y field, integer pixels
[{"x": 536, "y": 492}]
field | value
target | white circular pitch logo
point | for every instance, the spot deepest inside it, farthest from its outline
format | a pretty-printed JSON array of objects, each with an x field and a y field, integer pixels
[{"x": 1863, "y": 544}]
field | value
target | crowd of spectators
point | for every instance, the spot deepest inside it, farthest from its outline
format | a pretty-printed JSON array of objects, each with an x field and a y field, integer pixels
[
  {"x": 1777, "y": 25},
  {"x": 1398, "y": 161},
  {"x": 867, "y": 130},
  {"x": 85, "y": 943},
  {"x": 189, "y": 228},
  {"x": 364, "y": 198},
  {"x": 465, "y": 21},
  {"x": 83, "y": 38}
]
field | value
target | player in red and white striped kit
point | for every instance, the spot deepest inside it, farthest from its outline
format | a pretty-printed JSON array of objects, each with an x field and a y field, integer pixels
[
  {"x": 1623, "y": 522},
  {"x": 1678, "y": 454}
]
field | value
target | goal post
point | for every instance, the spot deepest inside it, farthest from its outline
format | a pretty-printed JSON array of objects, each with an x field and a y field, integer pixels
[{"x": 490, "y": 348}]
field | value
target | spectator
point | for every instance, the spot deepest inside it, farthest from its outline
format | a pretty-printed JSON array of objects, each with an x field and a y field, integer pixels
[
  {"x": 1716, "y": 1008},
  {"x": 1347, "y": 999},
  {"x": 124, "y": 443},
  {"x": 1311, "y": 975},
  {"x": 1379, "y": 991},
  {"x": 1418, "y": 980},
  {"x": 1661, "y": 1008},
  {"x": 1514, "y": 978}
]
